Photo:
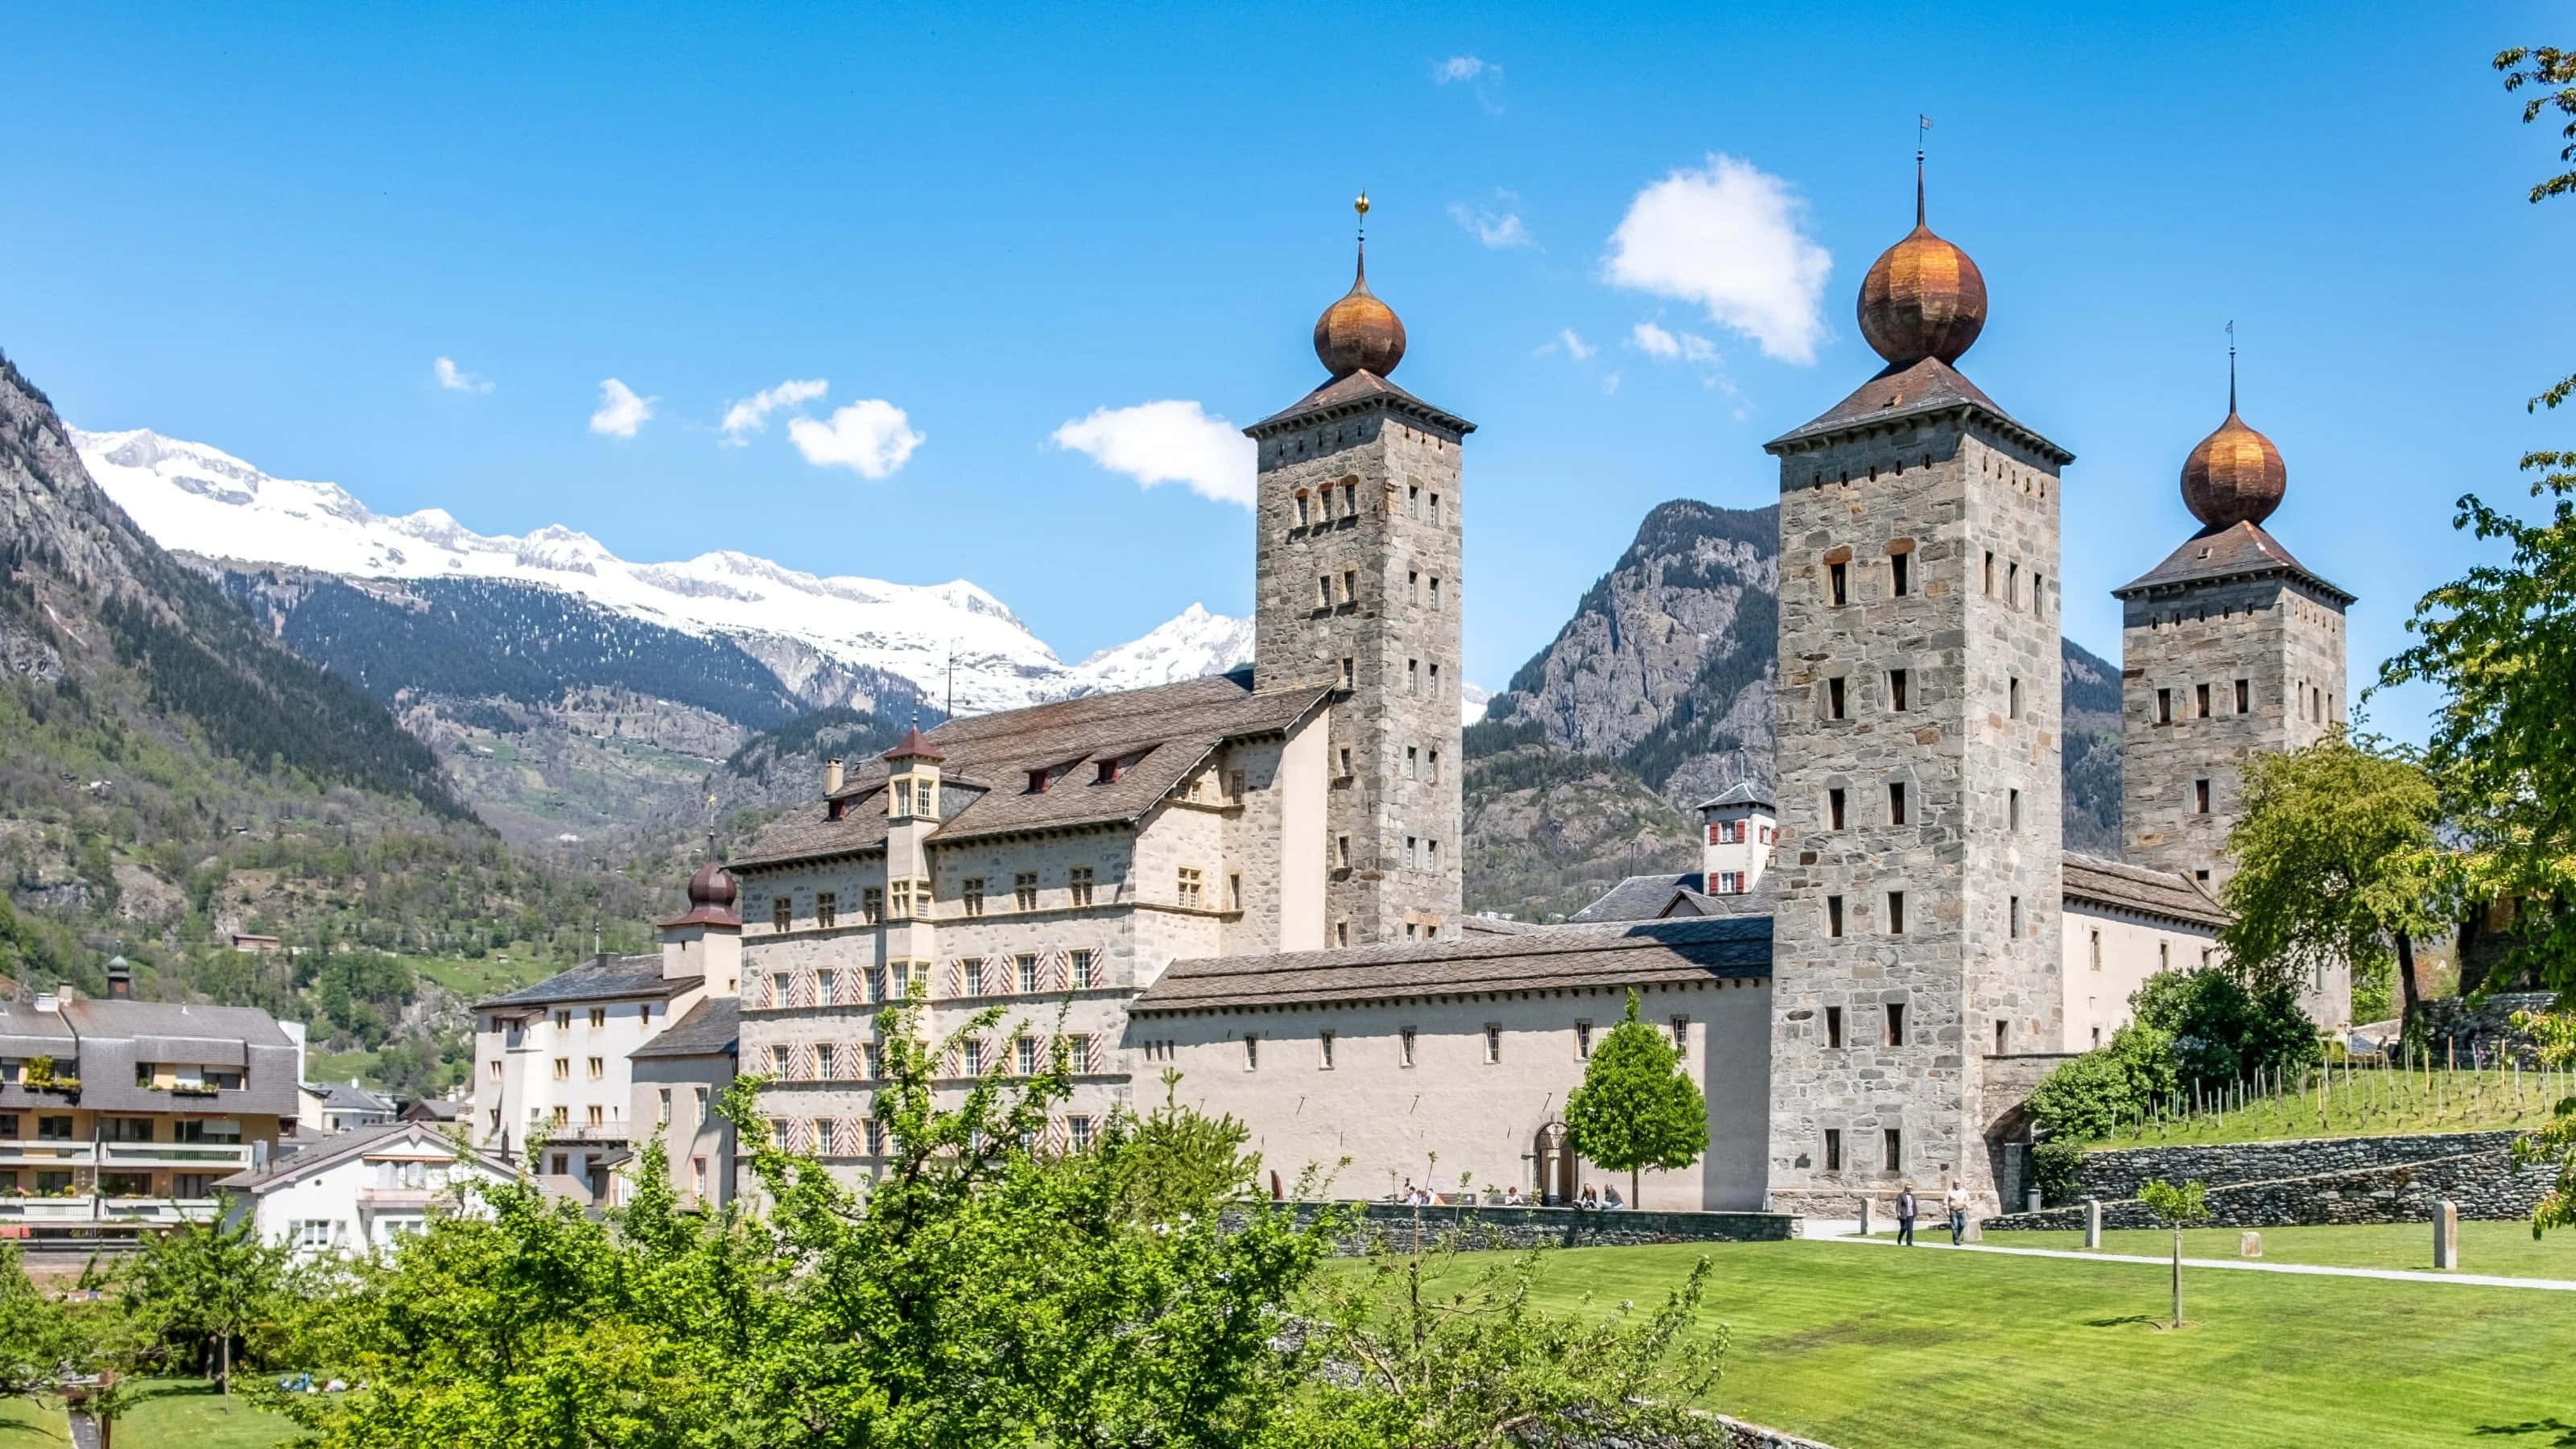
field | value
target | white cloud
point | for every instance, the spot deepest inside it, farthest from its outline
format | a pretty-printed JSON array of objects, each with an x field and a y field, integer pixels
[
  {"x": 621, "y": 412},
  {"x": 1610, "y": 384},
  {"x": 457, "y": 379},
  {"x": 1173, "y": 441},
  {"x": 1497, "y": 229},
  {"x": 1665, "y": 346},
  {"x": 1568, "y": 342},
  {"x": 1464, "y": 68},
  {"x": 870, "y": 437},
  {"x": 751, "y": 415},
  {"x": 1726, "y": 236}
]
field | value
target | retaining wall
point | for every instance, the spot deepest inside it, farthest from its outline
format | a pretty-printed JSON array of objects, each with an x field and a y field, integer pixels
[
  {"x": 1404, "y": 1229},
  {"x": 2457, "y": 1033},
  {"x": 2311, "y": 1180}
]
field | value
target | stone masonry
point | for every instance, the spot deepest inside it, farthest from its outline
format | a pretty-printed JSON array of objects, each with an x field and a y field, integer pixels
[
  {"x": 1358, "y": 584},
  {"x": 2214, "y": 672},
  {"x": 2313, "y": 1180},
  {"x": 1968, "y": 500}
]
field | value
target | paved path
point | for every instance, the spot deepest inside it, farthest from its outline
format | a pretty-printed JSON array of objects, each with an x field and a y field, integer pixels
[{"x": 1847, "y": 1231}]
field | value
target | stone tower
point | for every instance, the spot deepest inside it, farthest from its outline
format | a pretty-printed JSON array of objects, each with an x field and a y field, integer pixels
[
  {"x": 1357, "y": 583},
  {"x": 1916, "y": 933},
  {"x": 2228, "y": 648}
]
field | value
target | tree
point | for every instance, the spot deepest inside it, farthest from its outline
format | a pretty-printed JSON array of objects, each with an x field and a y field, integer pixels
[
  {"x": 1425, "y": 1363},
  {"x": 2335, "y": 861},
  {"x": 204, "y": 1285},
  {"x": 1636, "y": 1108},
  {"x": 2178, "y": 1207},
  {"x": 2087, "y": 1099},
  {"x": 2221, "y": 1031}
]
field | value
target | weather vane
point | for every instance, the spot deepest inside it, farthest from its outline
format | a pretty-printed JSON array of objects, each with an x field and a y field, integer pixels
[{"x": 1361, "y": 206}]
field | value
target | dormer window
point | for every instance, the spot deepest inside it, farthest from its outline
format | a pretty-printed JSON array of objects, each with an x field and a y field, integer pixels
[
  {"x": 1037, "y": 782},
  {"x": 1109, "y": 772},
  {"x": 833, "y": 809}
]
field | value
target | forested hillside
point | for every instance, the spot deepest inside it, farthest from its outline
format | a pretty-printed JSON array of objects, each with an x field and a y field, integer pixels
[{"x": 175, "y": 775}]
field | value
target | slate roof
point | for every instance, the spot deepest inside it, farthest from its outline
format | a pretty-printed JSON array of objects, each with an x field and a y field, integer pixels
[
  {"x": 711, "y": 1028},
  {"x": 1638, "y": 898},
  {"x": 348, "y": 1096},
  {"x": 2217, "y": 555},
  {"x": 2135, "y": 888},
  {"x": 1899, "y": 394},
  {"x": 1353, "y": 392},
  {"x": 342, "y": 1147},
  {"x": 1742, "y": 792},
  {"x": 602, "y": 978},
  {"x": 116, "y": 1034},
  {"x": 984, "y": 786},
  {"x": 1645, "y": 953}
]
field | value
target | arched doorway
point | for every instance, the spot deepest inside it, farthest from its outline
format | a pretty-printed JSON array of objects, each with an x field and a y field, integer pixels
[{"x": 1555, "y": 1166}]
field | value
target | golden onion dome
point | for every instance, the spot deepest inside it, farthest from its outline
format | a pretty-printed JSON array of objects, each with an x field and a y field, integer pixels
[
  {"x": 1359, "y": 333},
  {"x": 2235, "y": 475},
  {"x": 1923, "y": 297}
]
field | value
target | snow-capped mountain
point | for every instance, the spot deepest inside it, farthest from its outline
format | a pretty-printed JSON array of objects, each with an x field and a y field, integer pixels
[{"x": 201, "y": 500}]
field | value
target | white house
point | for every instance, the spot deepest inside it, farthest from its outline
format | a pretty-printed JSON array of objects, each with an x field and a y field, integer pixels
[{"x": 359, "y": 1190}]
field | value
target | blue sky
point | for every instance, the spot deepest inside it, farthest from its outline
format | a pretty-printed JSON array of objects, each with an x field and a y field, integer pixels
[{"x": 259, "y": 226}]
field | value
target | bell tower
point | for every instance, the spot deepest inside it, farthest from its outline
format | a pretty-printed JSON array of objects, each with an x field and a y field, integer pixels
[
  {"x": 1357, "y": 585},
  {"x": 1916, "y": 936}
]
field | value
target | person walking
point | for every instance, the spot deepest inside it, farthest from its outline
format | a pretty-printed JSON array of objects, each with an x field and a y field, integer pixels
[
  {"x": 1957, "y": 1203},
  {"x": 1906, "y": 1210}
]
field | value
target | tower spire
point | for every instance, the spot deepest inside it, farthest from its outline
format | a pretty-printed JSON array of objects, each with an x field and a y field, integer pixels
[
  {"x": 2231, "y": 367},
  {"x": 1360, "y": 277}
]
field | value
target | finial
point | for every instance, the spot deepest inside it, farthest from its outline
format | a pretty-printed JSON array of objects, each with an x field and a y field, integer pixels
[
  {"x": 1922, "y": 123},
  {"x": 2231, "y": 367}
]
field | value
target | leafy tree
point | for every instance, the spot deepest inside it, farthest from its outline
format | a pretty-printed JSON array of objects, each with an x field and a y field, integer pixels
[
  {"x": 1182, "y": 1160},
  {"x": 205, "y": 1286},
  {"x": 2223, "y": 1031},
  {"x": 37, "y": 1335},
  {"x": 1636, "y": 1108},
  {"x": 2555, "y": 1142},
  {"x": 1425, "y": 1363},
  {"x": 2178, "y": 1207},
  {"x": 2335, "y": 861}
]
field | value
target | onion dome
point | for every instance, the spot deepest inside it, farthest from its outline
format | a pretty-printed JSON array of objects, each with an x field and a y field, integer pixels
[
  {"x": 1359, "y": 333},
  {"x": 2235, "y": 475},
  {"x": 1923, "y": 297},
  {"x": 711, "y": 886}
]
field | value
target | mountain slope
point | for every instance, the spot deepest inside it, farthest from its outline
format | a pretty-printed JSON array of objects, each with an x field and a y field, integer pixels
[{"x": 1660, "y": 686}]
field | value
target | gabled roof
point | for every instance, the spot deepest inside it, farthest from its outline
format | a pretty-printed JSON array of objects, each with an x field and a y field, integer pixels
[
  {"x": 348, "y": 1096},
  {"x": 1901, "y": 394},
  {"x": 1356, "y": 392},
  {"x": 425, "y": 1138},
  {"x": 1175, "y": 726},
  {"x": 711, "y": 1028},
  {"x": 2224, "y": 555},
  {"x": 1638, "y": 897},
  {"x": 2127, "y": 887},
  {"x": 1648, "y": 952},
  {"x": 602, "y": 978},
  {"x": 1742, "y": 792}
]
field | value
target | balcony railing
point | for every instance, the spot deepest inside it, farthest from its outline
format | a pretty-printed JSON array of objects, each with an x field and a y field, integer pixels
[
  {"x": 36, "y": 1211},
  {"x": 48, "y": 1153},
  {"x": 414, "y": 1198},
  {"x": 224, "y": 1156}
]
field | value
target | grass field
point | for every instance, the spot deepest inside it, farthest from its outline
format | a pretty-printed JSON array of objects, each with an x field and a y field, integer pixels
[
  {"x": 189, "y": 1414},
  {"x": 25, "y": 1424},
  {"x": 2505, "y": 1249},
  {"x": 2371, "y": 1103},
  {"x": 1874, "y": 1348}
]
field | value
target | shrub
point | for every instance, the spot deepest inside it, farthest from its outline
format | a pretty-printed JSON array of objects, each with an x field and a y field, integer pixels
[
  {"x": 2053, "y": 1165},
  {"x": 2088, "y": 1098},
  {"x": 2222, "y": 1031}
]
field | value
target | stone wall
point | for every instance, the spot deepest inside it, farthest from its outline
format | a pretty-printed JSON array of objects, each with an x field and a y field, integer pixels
[
  {"x": 2316, "y": 1180},
  {"x": 1405, "y": 1229},
  {"x": 2473, "y": 1035}
]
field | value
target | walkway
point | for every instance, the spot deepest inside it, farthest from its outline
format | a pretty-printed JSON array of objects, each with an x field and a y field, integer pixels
[{"x": 1846, "y": 1230}]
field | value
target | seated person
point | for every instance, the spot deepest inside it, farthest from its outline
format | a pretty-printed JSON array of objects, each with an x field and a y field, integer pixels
[{"x": 1610, "y": 1199}]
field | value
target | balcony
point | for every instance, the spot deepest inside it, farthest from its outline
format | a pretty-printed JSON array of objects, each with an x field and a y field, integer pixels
[
  {"x": 557, "y": 1134},
  {"x": 214, "y": 1156},
  {"x": 27, "y": 1213},
  {"x": 48, "y": 1152},
  {"x": 401, "y": 1199}
]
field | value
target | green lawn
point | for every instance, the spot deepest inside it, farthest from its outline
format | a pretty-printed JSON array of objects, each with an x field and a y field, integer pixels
[
  {"x": 2506, "y": 1249},
  {"x": 2371, "y": 1104},
  {"x": 189, "y": 1414},
  {"x": 1876, "y": 1348},
  {"x": 26, "y": 1424}
]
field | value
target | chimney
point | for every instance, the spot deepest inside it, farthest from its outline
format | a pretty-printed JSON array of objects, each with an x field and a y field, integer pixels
[
  {"x": 831, "y": 777},
  {"x": 120, "y": 979}
]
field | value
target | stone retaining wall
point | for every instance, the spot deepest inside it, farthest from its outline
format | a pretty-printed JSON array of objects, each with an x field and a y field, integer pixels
[
  {"x": 2313, "y": 1180},
  {"x": 1405, "y": 1228},
  {"x": 2469, "y": 1036}
]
